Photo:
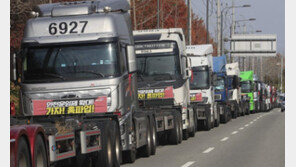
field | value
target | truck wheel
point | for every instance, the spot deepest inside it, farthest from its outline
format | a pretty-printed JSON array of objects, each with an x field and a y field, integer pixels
[
  {"x": 106, "y": 157},
  {"x": 234, "y": 114},
  {"x": 40, "y": 157},
  {"x": 146, "y": 150},
  {"x": 179, "y": 116},
  {"x": 153, "y": 136},
  {"x": 225, "y": 114},
  {"x": 192, "y": 133},
  {"x": 117, "y": 144},
  {"x": 217, "y": 121},
  {"x": 130, "y": 155},
  {"x": 23, "y": 154},
  {"x": 185, "y": 134},
  {"x": 196, "y": 121},
  {"x": 173, "y": 136},
  {"x": 207, "y": 125}
]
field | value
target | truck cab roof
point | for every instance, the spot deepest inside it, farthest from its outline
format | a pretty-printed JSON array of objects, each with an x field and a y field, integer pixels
[
  {"x": 246, "y": 75},
  {"x": 79, "y": 21},
  {"x": 170, "y": 34},
  {"x": 219, "y": 63},
  {"x": 199, "y": 50},
  {"x": 200, "y": 55},
  {"x": 232, "y": 69}
]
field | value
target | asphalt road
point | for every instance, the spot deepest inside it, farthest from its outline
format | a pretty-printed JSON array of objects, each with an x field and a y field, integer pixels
[{"x": 257, "y": 140}]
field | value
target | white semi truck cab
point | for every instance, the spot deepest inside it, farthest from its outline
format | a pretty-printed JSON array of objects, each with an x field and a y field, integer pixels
[
  {"x": 201, "y": 85},
  {"x": 78, "y": 61},
  {"x": 163, "y": 78}
]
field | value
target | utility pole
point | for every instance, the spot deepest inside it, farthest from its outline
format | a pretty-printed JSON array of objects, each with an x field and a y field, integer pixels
[
  {"x": 219, "y": 28},
  {"x": 189, "y": 21},
  {"x": 207, "y": 23},
  {"x": 246, "y": 62},
  {"x": 162, "y": 4},
  {"x": 158, "y": 16},
  {"x": 134, "y": 13},
  {"x": 232, "y": 26},
  {"x": 176, "y": 11}
]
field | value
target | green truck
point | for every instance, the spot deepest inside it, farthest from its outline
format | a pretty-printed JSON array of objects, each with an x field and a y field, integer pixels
[{"x": 247, "y": 87}]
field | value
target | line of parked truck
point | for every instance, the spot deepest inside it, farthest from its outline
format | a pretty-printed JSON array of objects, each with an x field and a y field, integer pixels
[{"x": 95, "y": 93}]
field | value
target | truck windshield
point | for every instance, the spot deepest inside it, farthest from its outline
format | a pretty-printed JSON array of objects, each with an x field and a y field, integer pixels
[
  {"x": 200, "y": 79},
  {"x": 70, "y": 62},
  {"x": 219, "y": 84},
  {"x": 246, "y": 87},
  {"x": 161, "y": 64}
]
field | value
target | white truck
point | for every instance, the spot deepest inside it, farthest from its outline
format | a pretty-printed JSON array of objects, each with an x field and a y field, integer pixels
[
  {"x": 163, "y": 81},
  {"x": 234, "y": 91},
  {"x": 78, "y": 86},
  {"x": 202, "y": 95}
]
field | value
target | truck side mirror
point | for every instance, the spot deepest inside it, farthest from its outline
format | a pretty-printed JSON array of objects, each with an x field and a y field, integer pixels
[
  {"x": 132, "y": 66},
  {"x": 13, "y": 76},
  {"x": 187, "y": 73},
  {"x": 186, "y": 67},
  {"x": 235, "y": 82},
  {"x": 214, "y": 80}
]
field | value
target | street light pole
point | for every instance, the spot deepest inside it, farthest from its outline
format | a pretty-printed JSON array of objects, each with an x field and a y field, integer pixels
[
  {"x": 158, "y": 14},
  {"x": 189, "y": 22},
  {"x": 219, "y": 29},
  {"x": 207, "y": 23},
  {"x": 232, "y": 26}
]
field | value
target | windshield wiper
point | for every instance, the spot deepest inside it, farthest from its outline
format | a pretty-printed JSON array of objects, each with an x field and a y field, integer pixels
[
  {"x": 140, "y": 75},
  {"x": 53, "y": 75},
  {"x": 91, "y": 72},
  {"x": 162, "y": 76}
]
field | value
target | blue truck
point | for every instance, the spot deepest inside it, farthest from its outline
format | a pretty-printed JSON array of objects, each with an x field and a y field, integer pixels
[{"x": 221, "y": 88}]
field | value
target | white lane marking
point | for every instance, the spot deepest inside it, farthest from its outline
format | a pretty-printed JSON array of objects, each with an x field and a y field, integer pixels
[
  {"x": 258, "y": 117},
  {"x": 209, "y": 150},
  {"x": 187, "y": 164},
  {"x": 234, "y": 132},
  {"x": 246, "y": 125},
  {"x": 251, "y": 122},
  {"x": 224, "y": 139},
  {"x": 241, "y": 128}
]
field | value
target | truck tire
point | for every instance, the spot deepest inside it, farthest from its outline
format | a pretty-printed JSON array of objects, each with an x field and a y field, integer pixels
[
  {"x": 223, "y": 117},
  {"x": 117, "y": 144},
  {"x": 23, "y": 154},
  {"x": 217, "y": 122},
  {"x": 129, "y": 156},
  {"x": 173, "y": 136},
  {"x": 179, "y": 116},
  {"x": 153, "y": 136},
  {"x": 40, "y": 157},
  {"x": 196, "y": 121},
  {"x": 208, "y": 123},
  {"x": 192, "y": 133},
  {"x": 107, "y": 156},
  {"x": 146, "y": 149},
  {"x": 234, "y": 113},
  {"x": 185, "y": 134}
]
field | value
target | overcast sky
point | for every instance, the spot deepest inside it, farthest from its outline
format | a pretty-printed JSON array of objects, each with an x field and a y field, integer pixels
[{"x": 269, "y": 14}]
